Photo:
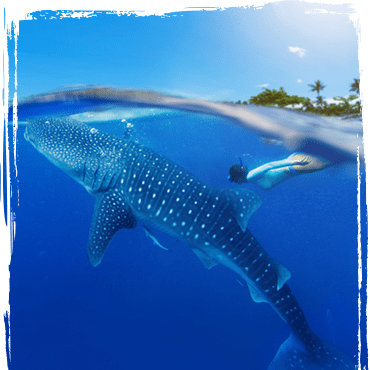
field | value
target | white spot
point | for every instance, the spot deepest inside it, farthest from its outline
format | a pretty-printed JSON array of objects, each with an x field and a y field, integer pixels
[
  {"x": 149, "y": 206},
  {"x": 130, "y": 190},
  {"x": 174, "y": 224},
  {"x": 154, "y": 195},
  {"x": 196, "y": 236},
  {"x": 139, "y": 201},
  {"x": 203, "y": 226},
  {"x": 171, "y": 210},
  {"x": 183, "y": 223}
]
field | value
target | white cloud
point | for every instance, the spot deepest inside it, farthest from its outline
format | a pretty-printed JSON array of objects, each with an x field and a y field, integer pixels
[
  {"x": 337, "y": 102},
  {"x": 299, "y": 80},
  {"x": 297, "y": 50},
  {"x": 264, "y": 85}
]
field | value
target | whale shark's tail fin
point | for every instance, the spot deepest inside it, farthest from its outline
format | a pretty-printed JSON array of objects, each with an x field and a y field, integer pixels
[{"x": 292, "y": 355}]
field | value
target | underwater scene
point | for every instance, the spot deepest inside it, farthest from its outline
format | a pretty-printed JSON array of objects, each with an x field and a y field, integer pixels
[
  {"x": 151, "y": 302},
  {"x": 185, "y": 189}
]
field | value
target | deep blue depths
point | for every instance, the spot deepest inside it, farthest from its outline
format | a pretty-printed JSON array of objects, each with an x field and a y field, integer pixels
[{"x": 146, "y": 308}]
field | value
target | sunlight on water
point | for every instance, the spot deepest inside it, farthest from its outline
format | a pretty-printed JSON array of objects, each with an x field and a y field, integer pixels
[{"x": 332, "y": 138}]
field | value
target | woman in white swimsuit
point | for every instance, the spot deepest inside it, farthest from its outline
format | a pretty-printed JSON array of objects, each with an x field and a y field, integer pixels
[{"x": 273, "y": 173}]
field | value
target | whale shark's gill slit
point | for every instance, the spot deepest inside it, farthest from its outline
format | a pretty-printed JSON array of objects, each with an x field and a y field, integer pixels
[
  {"x": 101, "y": 186},
  {"x": 95, "y": 176},
  {"x": 84, "y": 172},
  {"x": 112, "y": 181}
]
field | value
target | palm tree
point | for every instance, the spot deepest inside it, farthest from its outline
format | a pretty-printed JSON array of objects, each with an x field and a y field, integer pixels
[
  {"x": 318, "y": 86},
  {"x": 355, "y": 86}
]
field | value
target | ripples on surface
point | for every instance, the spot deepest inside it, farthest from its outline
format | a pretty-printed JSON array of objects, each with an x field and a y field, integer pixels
[{"x": 333, "y": 138}]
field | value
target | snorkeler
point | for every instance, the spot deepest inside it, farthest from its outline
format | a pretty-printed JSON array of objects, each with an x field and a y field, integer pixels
[
  {"x": 274, "y": 173},
  {"x": 128, "y": 131}
]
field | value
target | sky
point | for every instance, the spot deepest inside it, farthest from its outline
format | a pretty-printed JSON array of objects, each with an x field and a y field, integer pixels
[{"x": 222, "y": 55}]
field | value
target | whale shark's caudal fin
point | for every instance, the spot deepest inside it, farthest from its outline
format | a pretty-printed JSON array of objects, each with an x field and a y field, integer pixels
[{"x": 292, "y": 355}]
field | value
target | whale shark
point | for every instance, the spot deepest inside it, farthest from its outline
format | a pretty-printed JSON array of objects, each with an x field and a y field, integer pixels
[{"x": 132, "y": 183}]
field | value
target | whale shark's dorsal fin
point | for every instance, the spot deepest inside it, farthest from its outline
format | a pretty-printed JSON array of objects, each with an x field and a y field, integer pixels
[
  {"x": 208, "y": 262},
  {"x": 283, "y": 274},
  {"x": 111, "y": 214},
  {"x": 243, "y": 204}
]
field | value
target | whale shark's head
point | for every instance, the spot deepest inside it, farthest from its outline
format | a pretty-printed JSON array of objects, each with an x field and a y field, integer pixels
[{"x": 64, "y": 142}]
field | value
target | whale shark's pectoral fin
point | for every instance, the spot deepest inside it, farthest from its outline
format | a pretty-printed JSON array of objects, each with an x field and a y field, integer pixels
[
  {"x": 208, "y": 262},
  {"x": 243, "y": 204},
  {"x": 111, "y": 214}
]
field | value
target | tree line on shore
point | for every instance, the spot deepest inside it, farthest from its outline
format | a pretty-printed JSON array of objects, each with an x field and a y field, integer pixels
[{"x": 345, "y": 106}]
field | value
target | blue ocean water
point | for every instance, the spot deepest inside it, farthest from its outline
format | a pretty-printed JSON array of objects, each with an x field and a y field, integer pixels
[{"x": 144, "y": 307}]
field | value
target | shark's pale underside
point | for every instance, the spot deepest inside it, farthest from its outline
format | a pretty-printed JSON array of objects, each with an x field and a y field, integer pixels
[{"x": 131, "y": 182}]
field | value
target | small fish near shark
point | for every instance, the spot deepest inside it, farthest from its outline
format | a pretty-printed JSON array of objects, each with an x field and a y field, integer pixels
[{"x": 131, "y": 182}]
